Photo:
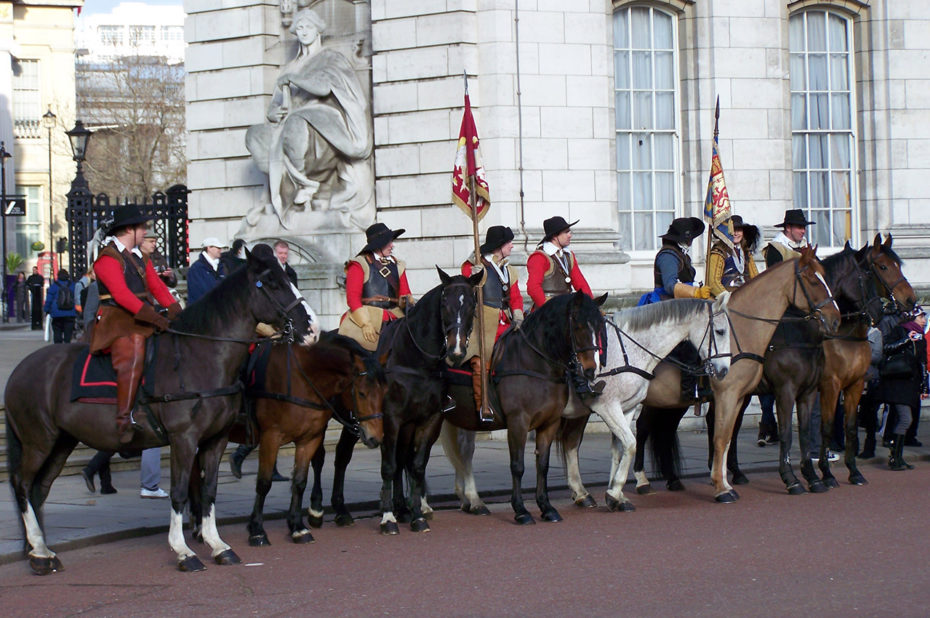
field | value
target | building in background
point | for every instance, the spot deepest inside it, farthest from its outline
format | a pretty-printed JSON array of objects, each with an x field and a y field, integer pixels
[{"x": 37, "y": 77}]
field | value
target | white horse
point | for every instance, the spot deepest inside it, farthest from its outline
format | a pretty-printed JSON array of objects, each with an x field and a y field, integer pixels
[{"x": 637, "y": 339}]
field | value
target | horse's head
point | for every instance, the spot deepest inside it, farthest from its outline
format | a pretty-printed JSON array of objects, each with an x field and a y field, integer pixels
[
  {"x": 711, "y": 337},
  {"x": 884, "y": 266},
  {"x": 586, "y": 324},
  {"x": 366, "y": 397},
  {"x": 457, "y": 305},
  {"x": 811, "y": 292},
  {"x": 852, "y": 284},
  {"x": 274, "y": 299}
]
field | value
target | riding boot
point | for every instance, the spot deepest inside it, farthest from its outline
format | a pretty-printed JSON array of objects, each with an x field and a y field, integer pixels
[
  {"x": 896, "y": 460},
  {"x": 128, "y": 355},
  {"x": 235, "y": 460},
  {"x": 476, "y": 369}
]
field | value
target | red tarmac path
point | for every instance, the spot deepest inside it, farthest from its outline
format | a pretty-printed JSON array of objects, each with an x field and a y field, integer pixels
[{"x": 856, "y": 550}]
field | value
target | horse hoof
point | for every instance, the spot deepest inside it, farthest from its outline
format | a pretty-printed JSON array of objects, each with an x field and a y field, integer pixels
[
  {"x": 587, "y": 502},
  {"x": 428, "y": 515},
  {"x": 419, "y": 525},
  {"x": 552, "y": 516},
  {"x": 389, "y": 528},
  {"x": 191, "y": 564},
  {"x": 524, "y": 519},
  {"x": 831, "y": 483},
  {"x": 675, "y": 485},
  {"x": 344, "y": 520},
  {"x": 614, "y": 505},
  {"x": 818, "y": 487},
  {"x": 740, "y": 479},
  {"x": 727, "y": 497},
  {"x": 796, "y": 489},
  {"x": 302, "y": 537},
  {"x": 45, "y": 566},
  {"x": 259, "y": 540},
  {"x": 480, "y": 510},
  {"x": 315, "y": 521},
  {"x": 645, "y": 490},
  {"x": 857, "y": 479},
  {"x": 227, "y": 557}
]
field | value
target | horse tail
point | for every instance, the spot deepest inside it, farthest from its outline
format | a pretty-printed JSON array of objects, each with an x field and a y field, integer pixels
[{"x": 662, "y": 430}]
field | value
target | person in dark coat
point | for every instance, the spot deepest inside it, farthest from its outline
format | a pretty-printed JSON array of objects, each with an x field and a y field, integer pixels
[
  {"x": 36, "y": 283},
  {"x": 904, "y": 389},
  {"x": 62, "y": 318},
  {"x": 206, "y": 272},
  {"x": 21, "y": 297}
]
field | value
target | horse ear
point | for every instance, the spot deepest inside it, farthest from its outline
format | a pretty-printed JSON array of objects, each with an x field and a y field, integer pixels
[
  {"x": 846, "y": 247},
  {"x": 600, "y": 300},
  {"x": 476, "y": 278},
  {"x": 887, "y": 243},
  {"x": 443, "y": 276},
  {"x": 878, "y": 240}
]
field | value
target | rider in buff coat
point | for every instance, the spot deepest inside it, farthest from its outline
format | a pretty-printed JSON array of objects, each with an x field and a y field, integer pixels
[
  {"x": 376, "y": 287},
  {"x": 503, "y": 302},
  {"x": 128, "y": 289},
  {"x": 552, "y": 270},
  {"x": 787, "y": 243},
  {"x": 729, "y": 268}
]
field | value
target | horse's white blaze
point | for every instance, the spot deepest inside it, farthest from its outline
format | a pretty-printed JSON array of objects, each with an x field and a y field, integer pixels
[
  {"x": 597, "y": 353},
  {"x": 176, "y": 536},
  {"x": 388, "y": 517},
  {"x": 34, "y": 534},
  {"x": 313, "y": 323},
  {"x": 210, "y": 534},
  {"x": 314, "y": 512},
  {"x": 829, "y": 291}
]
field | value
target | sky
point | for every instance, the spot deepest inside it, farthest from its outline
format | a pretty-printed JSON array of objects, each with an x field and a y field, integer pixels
[{"x": 95, "y": 7}]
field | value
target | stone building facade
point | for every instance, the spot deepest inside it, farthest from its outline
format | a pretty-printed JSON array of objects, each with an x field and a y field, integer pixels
[{"x": 605, "y": 115}]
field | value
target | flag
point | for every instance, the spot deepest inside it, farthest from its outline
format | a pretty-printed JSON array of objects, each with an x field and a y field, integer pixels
[
  {"x": 468, "y": 167},
  {"x": 717, "y": 202}
]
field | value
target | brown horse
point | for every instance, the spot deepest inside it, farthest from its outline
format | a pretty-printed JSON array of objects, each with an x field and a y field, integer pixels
[
  {"x": 846, "y": 356},
  {"x": 754, "y": 310},
  {"x": 304, "y": 387}
]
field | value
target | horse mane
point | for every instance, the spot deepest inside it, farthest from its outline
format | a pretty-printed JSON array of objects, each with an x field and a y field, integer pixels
[
  {"x": 832, "y": 264},
  {"x": 333, "y": 339},
  {"x": 218, "y": 305},
  {"x": 552, "y": 320},
  {"x": 656, "y": 314}
]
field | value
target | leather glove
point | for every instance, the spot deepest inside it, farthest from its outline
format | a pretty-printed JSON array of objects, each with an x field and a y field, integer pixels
[
  {"x": 173, "y": 310},
  {"x": 148, "y": 315},
  {"x": 685, "y": 290},
  {"x": 517, "y": 319},
  {"x": 702, "y": 292},
  {"x": 361, "y": 319}
]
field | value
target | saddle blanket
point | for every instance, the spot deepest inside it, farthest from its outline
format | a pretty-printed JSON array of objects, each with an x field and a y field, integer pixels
[
  {"x": 93, "y": 379},
  {"x": 256, "y": 367},
  {"x": 458, "y": 376}
]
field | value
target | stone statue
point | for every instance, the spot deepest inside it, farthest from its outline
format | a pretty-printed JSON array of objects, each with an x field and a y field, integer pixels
[{"x": 317, "y": 141}]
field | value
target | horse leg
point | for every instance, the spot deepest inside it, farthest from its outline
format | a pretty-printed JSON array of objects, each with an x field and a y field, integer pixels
[
  {"x": 804, "y": 405},
  {"x": 295, "y": 517},
  {"x": 210, "y": 454},
  {"x": 404, "y": 459},
  {"x": 737, "y": 478},
  {"x": 182, "y": 460},
  {"x": 517, "y": 432},
  {"x": 344, "y": 449},
  {"x": 195, "y": 495},
  {"x": 829, "y": 393},
  {"x": 643, "y": 487},
  {"x": 571, "y": 434},
  {"x": 267, "y": 454},
  {"x": 851, "y": 397},
  {"x": 783, "y": 409},
  {"x": 727, "y": 408},
  {"x": 622, "y": 449},
  {"x": 423, "y": 442},
  {"x": 544, "y": 438},
  {"x": 388, "y": 469},
  {"x": 315, "y": 510},
  {"x": 459, "y": 447}
]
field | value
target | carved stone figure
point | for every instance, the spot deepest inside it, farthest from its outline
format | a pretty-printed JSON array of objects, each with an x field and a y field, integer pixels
[{"x": 317, "y": 141}]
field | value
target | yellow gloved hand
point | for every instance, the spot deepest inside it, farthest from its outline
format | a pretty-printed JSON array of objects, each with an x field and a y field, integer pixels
[
  {"x": 702, "y": 292},
  {"x": 361, "y": 319}
]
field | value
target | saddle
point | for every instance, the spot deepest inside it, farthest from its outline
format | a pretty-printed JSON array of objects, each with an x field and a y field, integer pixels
[{"x": 93, "y": 379}]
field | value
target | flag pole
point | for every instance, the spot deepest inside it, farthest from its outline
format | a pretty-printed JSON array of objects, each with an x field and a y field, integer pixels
[
  {"x": 485, "y": 413},
  {"x": 710, "y": 226}
]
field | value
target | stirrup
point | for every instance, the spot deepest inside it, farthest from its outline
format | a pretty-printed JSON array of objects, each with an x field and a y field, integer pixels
[
  {"x": 448, "y": 405},
  {"x": 486, "y": 416}
]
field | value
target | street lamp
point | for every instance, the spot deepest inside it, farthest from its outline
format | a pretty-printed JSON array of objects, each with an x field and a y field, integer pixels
[
  {"x": 4, "y": 155},
  {"x": 48, "y": 119},
  {"x": 79, "y": 137}
]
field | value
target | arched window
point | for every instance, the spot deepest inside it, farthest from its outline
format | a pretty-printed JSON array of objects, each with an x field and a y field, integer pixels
[
  {"x": 646, "y": 109},
  {"x": 822, "y": 124}
]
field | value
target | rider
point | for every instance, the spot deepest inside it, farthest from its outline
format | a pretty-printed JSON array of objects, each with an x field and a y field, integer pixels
[
  {"x": 128, "y": 288},
  {"x": 787, "y": 243},
  {"x": 728, "y": 268},
  {"x": 551, "y": 270},
  {"x": 376, "y": 287},
  {"x": 503, "y": 302}
]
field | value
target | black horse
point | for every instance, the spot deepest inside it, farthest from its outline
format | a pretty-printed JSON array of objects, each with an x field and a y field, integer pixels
[
  {"x": 413, "y": 351},
  {"x": 192, "y": 400}
]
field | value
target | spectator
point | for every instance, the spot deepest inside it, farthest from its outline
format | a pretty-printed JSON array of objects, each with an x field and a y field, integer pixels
[
  {"x": 36, "y": 283},
  {"x": 60, "y": 305},
  {"x": 207, "y": 271},
  {"x": 21, "y": 297}
]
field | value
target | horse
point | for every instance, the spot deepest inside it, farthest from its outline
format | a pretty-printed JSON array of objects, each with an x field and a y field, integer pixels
[
  {"x": 637, "y": 339},
  {"x": 754, "y": 309},
  {"x": 191, "y": 399},
  {"x": 304, "y": 387}
]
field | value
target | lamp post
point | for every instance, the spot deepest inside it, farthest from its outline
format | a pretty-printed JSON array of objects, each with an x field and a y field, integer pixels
[
  {"x": 48, "y": 119},
  {"x": 4, "y": 155},
  {"x": 80, "y": 202},
  {"x": 79, "y": 137}
]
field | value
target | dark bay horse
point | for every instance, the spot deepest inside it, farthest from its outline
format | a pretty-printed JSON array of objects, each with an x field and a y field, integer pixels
[
  {"x": 195, "y": 398},
  {"x": 754, "y": 310},
  {"x": 306, "y": 386}
]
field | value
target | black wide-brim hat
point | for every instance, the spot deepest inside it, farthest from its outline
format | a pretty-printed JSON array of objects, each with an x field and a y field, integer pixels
[
  {"x": 750, "y": 232},
  {"x": 795, "y": 216},
  {"x": 127, "y": 215},
  {"x": 497, "y": 237},
  {"x": 378, "y": 236},
  {"x": 555, "y": 226},
  {"x": 684, "y": 230}
]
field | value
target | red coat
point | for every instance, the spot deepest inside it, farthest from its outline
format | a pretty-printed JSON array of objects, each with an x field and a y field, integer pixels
[
  {"x": 536, "y": 267},
  {"x": 110, "y": 272}
]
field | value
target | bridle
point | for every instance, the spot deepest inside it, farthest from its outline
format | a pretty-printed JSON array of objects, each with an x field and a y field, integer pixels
[
  {"x": 446, "y": 328},
  {"x": 814, "y": 312},
  {"x": 889, "y": 287}
]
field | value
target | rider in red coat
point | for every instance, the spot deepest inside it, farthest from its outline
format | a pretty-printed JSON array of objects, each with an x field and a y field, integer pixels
[{"x": 552, "y": 269}]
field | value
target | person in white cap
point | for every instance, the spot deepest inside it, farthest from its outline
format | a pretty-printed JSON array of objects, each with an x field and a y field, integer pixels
[{"x": 207, "y": 271}]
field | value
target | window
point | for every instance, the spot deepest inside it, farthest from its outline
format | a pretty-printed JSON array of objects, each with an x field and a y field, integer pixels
[
  {"x": 141, "y": 35},
  {"x": 822, "y": 127},
  {"x": 28, "y": 228},
  {"x": 172, "y": 33},
  {"x": 110, "y": 35},
  {"x": 27, "y": 104},
  {"x": 645, "y": 89}
]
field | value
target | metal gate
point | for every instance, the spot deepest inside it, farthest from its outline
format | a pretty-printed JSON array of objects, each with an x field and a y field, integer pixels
[{"x": 87, "y": 213}]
